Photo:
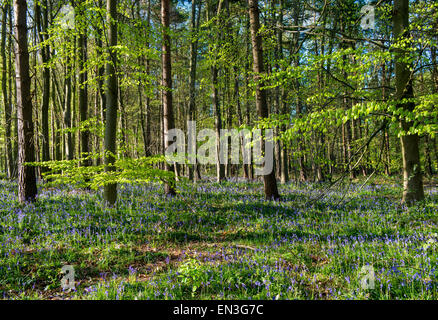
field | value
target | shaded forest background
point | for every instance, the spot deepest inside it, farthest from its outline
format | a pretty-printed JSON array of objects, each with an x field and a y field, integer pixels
[{"x": 114, "y": 77}]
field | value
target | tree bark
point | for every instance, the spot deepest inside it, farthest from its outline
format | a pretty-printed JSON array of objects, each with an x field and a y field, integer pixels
[
  {"x": 284, "y": 173},
  {"x": 168, "y": 119},
  {"x": 412, "y": 173},
  {"x": 83, "y": 87},
  {"x": 145, "y": 113},
  {"x": 6, "y": 98},
  {"x": 110, "y": 190},
  {"x": 270, "y": 183},
  {"x": 68, "y": 142},
  {"x": 191, "y": 116},
  {"x": 100, "y": 94},
  {"x": 27, "y": 189},
  {"x": 42, "y": 23},
  {"x": 220, "y": 168}
]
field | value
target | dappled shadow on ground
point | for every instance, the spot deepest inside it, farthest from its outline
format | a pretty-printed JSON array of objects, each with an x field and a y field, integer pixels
[{"x": 149, "y": 232}]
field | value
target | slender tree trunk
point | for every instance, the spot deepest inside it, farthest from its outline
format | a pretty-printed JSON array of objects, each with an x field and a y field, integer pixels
[
  {"x": 192, "y": 80},
  {"x": 27, "y": 189},
  {"x": 301, "y": 161},
  {"x": 13, "y": 95},
  {"x": 143, "y": 121},
  {"x": 428, "y": 156},
  {"x": 97, "y": 115},
  {"x": 146, "y": 112},
  {"x": 101, "y": 70},
  {"x": 42, "y": 22},
  {"x": 435, "y": 82},
  {"x": 101, "y": 112},
  {"x": 220, "y": 168},
  {"x": 83, "y": 88},
  {"x": 385, "y": 133},
  {"x": 270, "y": 184},
  {"x": 110, "y": 190},
  {"x": 299, "y": 105},
  {"x": 123, "y": 128},
  {"x": 434, "y": 67},
  {"x": 168, "y": 119},
  {"x": 247, "y": 96},
  {"x": 56, "y": 124},
  {"x": 240, "y": 118},
  {"x": 284, "y": 172},
  {"x": 68, "y": 145},
  {"x": 6, "y": 97},
  {"x": 412, "y": 172}
]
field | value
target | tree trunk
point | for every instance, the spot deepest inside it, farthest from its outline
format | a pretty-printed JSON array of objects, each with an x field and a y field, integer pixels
[
  {"x": 296, "y": 61},
  {"x": 27, "y": 189},
  {"x": 284, "y": 172},
  {"x": 6, "y": 98},
  {"x": 385, "y": 136},
  {"x": 240, "y": 118},
  {"x": 100, "y": 84},
  {"x": 270, "y": 184},
  {"x": 168, "y": 119},
  {"x": 42, "y": 23},
  {"x": 192, "y": 81},
  {"x": 434, "y": 68},
  {"x": 412, "y": 173},
  {"x": 110, "y": 190},
  {"x": 13, "y": 95},
  {"x": 220, "y": 168},
  {"x": 250, "y": 166},
  {"x": 83, "y": 89},
  {"x": 56, "y": 123},
  {"x": 123, "y": 129},
  {"x": 68, "y": 145},
  {"x": 145, "y": 113}
]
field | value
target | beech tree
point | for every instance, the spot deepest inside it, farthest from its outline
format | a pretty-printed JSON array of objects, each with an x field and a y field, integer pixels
[
  {"x": 270, "y": 183},
  {"x": 27, "y": 189},
  {"x": 42, "y": 25},
  {"x": 412, "y": 172},
  {"x": 166, "y": 67},
  {"x": 111, "y": 94},
  {"x": 344, "y": 102},
  {"x": 7, "y": 99},
  {"x": 83, "y": 78}
]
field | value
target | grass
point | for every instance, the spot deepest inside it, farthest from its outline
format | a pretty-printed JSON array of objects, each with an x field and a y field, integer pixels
[{"x": 219, "y": 242}]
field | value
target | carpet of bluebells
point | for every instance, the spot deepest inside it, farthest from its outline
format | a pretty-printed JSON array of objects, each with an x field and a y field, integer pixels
[{"x": 220, "y": 241}]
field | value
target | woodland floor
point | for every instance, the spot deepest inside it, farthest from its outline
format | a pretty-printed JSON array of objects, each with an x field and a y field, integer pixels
[{"x": 220, "y": 242}]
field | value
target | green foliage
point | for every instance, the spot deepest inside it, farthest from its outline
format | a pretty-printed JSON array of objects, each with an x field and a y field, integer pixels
[
  {"x": 126, "y": 170},
  {"x": 219, "y": 241}
]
